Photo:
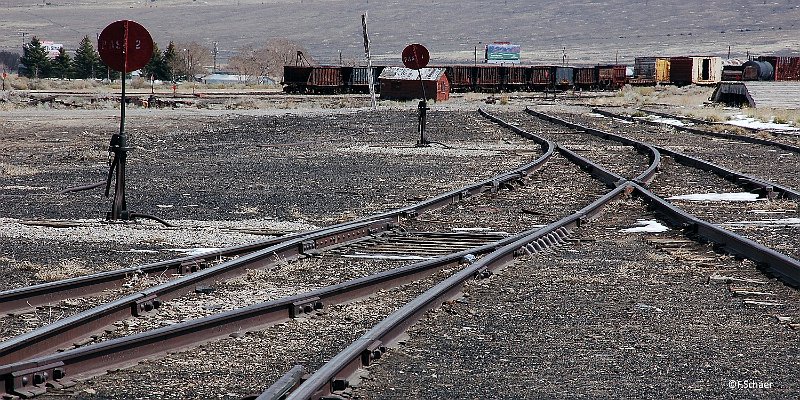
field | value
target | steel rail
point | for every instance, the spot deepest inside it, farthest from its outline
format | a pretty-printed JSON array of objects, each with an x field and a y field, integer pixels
[
  {"x": 652, "y": 152},
  {"x": 64, "y": 332},
  {"x": 609, "y": 178},
  {"x": 766, "y": 188},
  {"x": 729, "y": 136},
  {"x": 782, "y": 266},
  {"x": 31, "y": 377},
  {"x": 22, "y": 299},
  {"x": 333, "y": 375}
]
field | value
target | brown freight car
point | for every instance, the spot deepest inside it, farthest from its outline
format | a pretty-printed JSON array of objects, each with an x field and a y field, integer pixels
[
  {"x": 611, "y": 76},
  {"x": 515, "y": 77},
  {"x": 786, "y": 68},
  {"x": 680, "y": 70},
  {"x": 487, "y": 78},
  {"x": 585, "y": 77},
  {"x": 541, "y": 77}
]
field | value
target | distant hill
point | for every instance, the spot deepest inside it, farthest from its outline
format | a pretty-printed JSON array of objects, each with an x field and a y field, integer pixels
[{"x": 588, "y": 32}]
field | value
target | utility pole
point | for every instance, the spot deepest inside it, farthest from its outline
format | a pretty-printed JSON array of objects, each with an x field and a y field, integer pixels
[
  {"x": 214, "y": 53},
  {"x": 370, "y": 78}
]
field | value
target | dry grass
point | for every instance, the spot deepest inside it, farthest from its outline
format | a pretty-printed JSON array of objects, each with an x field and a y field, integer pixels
[
  {"x": 637, "y": 96},
  {"x": 778, "y": 116},
  {"x": 16, "y": 170},
  {"x": 710, "y": 114},
  {"x": 69, "y": 268}
]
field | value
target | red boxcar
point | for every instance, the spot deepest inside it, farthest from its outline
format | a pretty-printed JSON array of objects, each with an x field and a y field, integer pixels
[
  {"x": 585, "y": 77},
  {"x": 487, "y": 78},
  {"x": 611, "y": 76},
  {"x": 541, "y": 77},
  {"x": 786, "y": 68},
  {"x": 461, "y": 77},
  {"x": 515, "y": 78},
  {"x": 326, "y": 79},
  {"x": 680, "y": 70}
]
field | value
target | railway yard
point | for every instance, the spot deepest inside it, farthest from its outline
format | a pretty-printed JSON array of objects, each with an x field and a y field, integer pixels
[{"x": 536, "y": 249}]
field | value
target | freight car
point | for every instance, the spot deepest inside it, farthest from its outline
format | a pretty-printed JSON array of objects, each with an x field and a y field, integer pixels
[
  {"x": 328, "y": 79},
  {"x": 501, "y": 78}
]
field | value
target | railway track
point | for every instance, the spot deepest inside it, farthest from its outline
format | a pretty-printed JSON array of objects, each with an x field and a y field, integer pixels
[
  {"x": 334, "y": 377},
  {"x": 751, "y": 215},
  {"x": 495, "y": 225}
]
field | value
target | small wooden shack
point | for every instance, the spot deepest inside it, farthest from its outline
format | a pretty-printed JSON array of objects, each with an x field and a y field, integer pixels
[{"x": 398, "y": 83}]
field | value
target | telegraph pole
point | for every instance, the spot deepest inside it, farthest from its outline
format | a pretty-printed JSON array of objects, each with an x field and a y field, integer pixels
[
  {"x": 214, "y": 52},
  {"x": 370, "y": 78}
]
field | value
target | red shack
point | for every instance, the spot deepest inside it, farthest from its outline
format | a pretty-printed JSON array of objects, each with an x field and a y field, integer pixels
[{"x": 398, "y": 83}]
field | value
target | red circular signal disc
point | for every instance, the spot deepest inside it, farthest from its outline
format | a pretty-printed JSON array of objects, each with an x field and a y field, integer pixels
[
  {"x": 125, "y": 46},
  {"x": 415, "y": 56}
]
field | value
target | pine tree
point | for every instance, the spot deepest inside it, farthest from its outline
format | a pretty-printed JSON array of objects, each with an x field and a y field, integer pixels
[
  {"x": 34, "y": 57},
  {"x": 62, "y": 65},
  {"x": 107, "y": 72},
  {"x": 155, "y": 67},
  {"x": 170, "y": 61},
  {"x": 87, "y": 61}
]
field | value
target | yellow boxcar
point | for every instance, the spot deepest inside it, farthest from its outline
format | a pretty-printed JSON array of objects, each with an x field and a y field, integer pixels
[{"x": 662, "y": 70}]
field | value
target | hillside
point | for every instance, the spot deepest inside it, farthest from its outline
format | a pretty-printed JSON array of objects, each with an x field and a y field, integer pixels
[{"x": 597, "y": 31}]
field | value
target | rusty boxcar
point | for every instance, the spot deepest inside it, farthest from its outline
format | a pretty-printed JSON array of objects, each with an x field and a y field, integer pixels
[
  {"x": 461, "y": 77},
  {"x": 515, "y": 77},
  {"x": 541, "y": 77},
  {"x": 487, "y": 78},
  {"x": 585, "y": 77},
  {"x": 786, "y": 68},
  {"x": 611, "y": 76},
  {"x": 680, "y": 70}
]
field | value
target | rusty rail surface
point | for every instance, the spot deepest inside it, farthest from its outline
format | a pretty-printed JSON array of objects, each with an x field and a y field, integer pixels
[
  {"x": 67, "y": 331},
  {"x": 609, "y": 178},
  {"x": 765, "y": 188},
  {"x": 723, "y": 135},
  {"x": 334, "y": 375},
  {"x": 33, "y": 376},
  {"x": 652, "y": 152},
  {"x": 25, "y": 298},
  {"x": 785, "y": 268}
]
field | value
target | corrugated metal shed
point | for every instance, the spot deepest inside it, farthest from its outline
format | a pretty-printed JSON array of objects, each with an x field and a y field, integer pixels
[
  {"x": 407, "y": 74},
  {"x": 760, "y": 94}
]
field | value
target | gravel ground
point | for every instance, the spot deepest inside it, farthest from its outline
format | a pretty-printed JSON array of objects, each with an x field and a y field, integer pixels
[
  {"x": 275, "y": 173},
  {"x": 614, "y": 156},
  {"x": 648, "y": 319},
  {"x": 611, "y": 316},
  {"x": 765, "y": 162},
  {"x": 773, "y": 223}
]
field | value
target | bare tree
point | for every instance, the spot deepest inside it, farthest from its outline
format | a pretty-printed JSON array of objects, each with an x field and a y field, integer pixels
[
  {"x": 248, "y": 62},
  {"x": 192, "y": 59},
  {"x": 269, "y": 59}
]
